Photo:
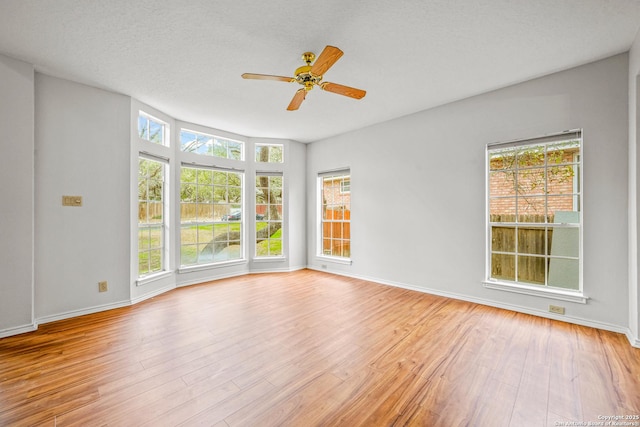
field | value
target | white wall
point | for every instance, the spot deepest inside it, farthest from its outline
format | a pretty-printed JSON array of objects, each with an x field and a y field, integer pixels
[
  {"x": 418, "y": 189},
  {"x": 16, "y": 196},
  {"x": 82, "y": 148},
  {"x": 634, "y": 138},
  {"x": 296, "y": 163}
]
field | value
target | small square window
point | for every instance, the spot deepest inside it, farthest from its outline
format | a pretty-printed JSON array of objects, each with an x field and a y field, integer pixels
[
  {"x": 269, "y": 153},
  {"x": 152, "y": 130}
]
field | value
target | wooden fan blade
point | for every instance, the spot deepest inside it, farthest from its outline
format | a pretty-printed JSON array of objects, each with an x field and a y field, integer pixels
[
  {"x": 268, "y": 77},
  {"x": 351, "y": 92},
  {"x": 297, "y": 100},
  {"x": 327, "y": 58}
]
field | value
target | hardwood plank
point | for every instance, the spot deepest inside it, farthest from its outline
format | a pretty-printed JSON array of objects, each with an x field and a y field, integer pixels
[
  {"x": 215, "y": 413},
  {"x": 359, "y": 406},
  {"x": 286, "y": 403},
  {"x": 116, "y": 407},
  {"x": 565, "y": 376},
  {"x": 181, "y": 406},
  {"x": 532, "y": 398},
  {"x": 42, "y": 409},
  {"x": 341, "y": 397}
]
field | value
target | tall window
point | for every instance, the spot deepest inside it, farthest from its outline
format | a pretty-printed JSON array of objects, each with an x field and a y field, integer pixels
[
  {"x": 534, "y": 211},
  {"x": 335, "y": 214},
  {"x": 152, "y": 130},
  {"x": 268, "y": 214},
  {"x": 151, "y": 220},
  {"x": 210, "y": 216},
  {"x": 209, "y": 145}
]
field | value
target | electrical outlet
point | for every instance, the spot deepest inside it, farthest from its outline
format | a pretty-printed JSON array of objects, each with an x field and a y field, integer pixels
[
  {"x": 556, "y": 309},
  {"x": 324, "y": 266},
  {"x": 103, "y": 287}
]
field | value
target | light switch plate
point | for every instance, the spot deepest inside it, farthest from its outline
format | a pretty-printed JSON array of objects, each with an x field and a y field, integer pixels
[{"x": 72, "y": 201}]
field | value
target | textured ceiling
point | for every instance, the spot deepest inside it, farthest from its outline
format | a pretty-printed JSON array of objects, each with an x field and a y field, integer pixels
[{"x": 186, "y": 57}]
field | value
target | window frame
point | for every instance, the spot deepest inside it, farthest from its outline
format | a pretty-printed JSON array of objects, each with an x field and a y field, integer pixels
[
  {"x": 213, "y": 222},
  {"x": 544, "y": 290},
  {"x": 213, "y": 138},
  {"x": 166, "y": 141},
  {"x": 172, "y": 154},
  {"x": 163, "y": 225},
  {"x": 335, "y": 174},
  {"x": 163, "y": 153},
  {"x": 270, "y": 145},
  {"x": 268, "y": 220}
]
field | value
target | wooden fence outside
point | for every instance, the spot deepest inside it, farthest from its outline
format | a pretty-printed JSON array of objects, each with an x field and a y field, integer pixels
[
  {"x": 336, "y": 232},
  {"x": 531, "y": 240}
]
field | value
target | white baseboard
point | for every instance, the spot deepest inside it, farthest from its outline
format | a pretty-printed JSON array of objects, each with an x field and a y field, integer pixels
[
  {"x": 512, "y": 307},
  {"x": 635, "y": 341},
  {"x": 150, "y": 295},
  {"x": 17, "y": 330},
  {"x": 237, "y": 274},
  {"x": 277, "y": 270},
  {"x": 199, "y": 280},
  {"x": 81, "y": 312}
]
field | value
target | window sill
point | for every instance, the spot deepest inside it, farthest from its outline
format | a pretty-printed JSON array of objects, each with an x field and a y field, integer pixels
[
  {"x": 572, "y": 296},
  {"x": 269, "y": 259},
  {"x": 153, "y": 277},
  {"x": 336, "y": 260},
  {"x": 192, "y": 268}
]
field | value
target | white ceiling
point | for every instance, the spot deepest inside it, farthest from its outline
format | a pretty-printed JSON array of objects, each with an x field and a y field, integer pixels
[{"x": 185, "y": 58}]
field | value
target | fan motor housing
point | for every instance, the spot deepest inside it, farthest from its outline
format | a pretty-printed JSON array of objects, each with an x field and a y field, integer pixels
[{"x": 305, "y": 78}]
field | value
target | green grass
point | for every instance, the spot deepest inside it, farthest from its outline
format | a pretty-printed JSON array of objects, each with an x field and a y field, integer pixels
[
  {"x": 277, "y": 234},
  {"x": 269, "y": 247},
  {"x": 144, "y": 267},
  {"x": 272, "y": 246},
  {"x": 233, "y": 226},
  {"x": 189, "y": 249}
]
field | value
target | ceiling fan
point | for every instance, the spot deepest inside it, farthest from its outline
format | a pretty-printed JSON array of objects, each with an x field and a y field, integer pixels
[{"x": 311, "y": 75}]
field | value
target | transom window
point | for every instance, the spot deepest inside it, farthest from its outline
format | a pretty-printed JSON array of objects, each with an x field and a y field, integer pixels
[
  {"x": 209, "y": 145},
  {"x": 534, "y": 211},
  {"x": 335, "y": 214},
  {"x": 152, "y": 130},
  {"x": 151, "y": 220},
  {"x": 269, "y": 153},
  {"x": 268, "y": 215},
  {"x": 210, "y": 216}
]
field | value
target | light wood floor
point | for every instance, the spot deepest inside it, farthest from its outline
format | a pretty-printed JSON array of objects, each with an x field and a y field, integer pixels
[{"x": 308, "y": 348}]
